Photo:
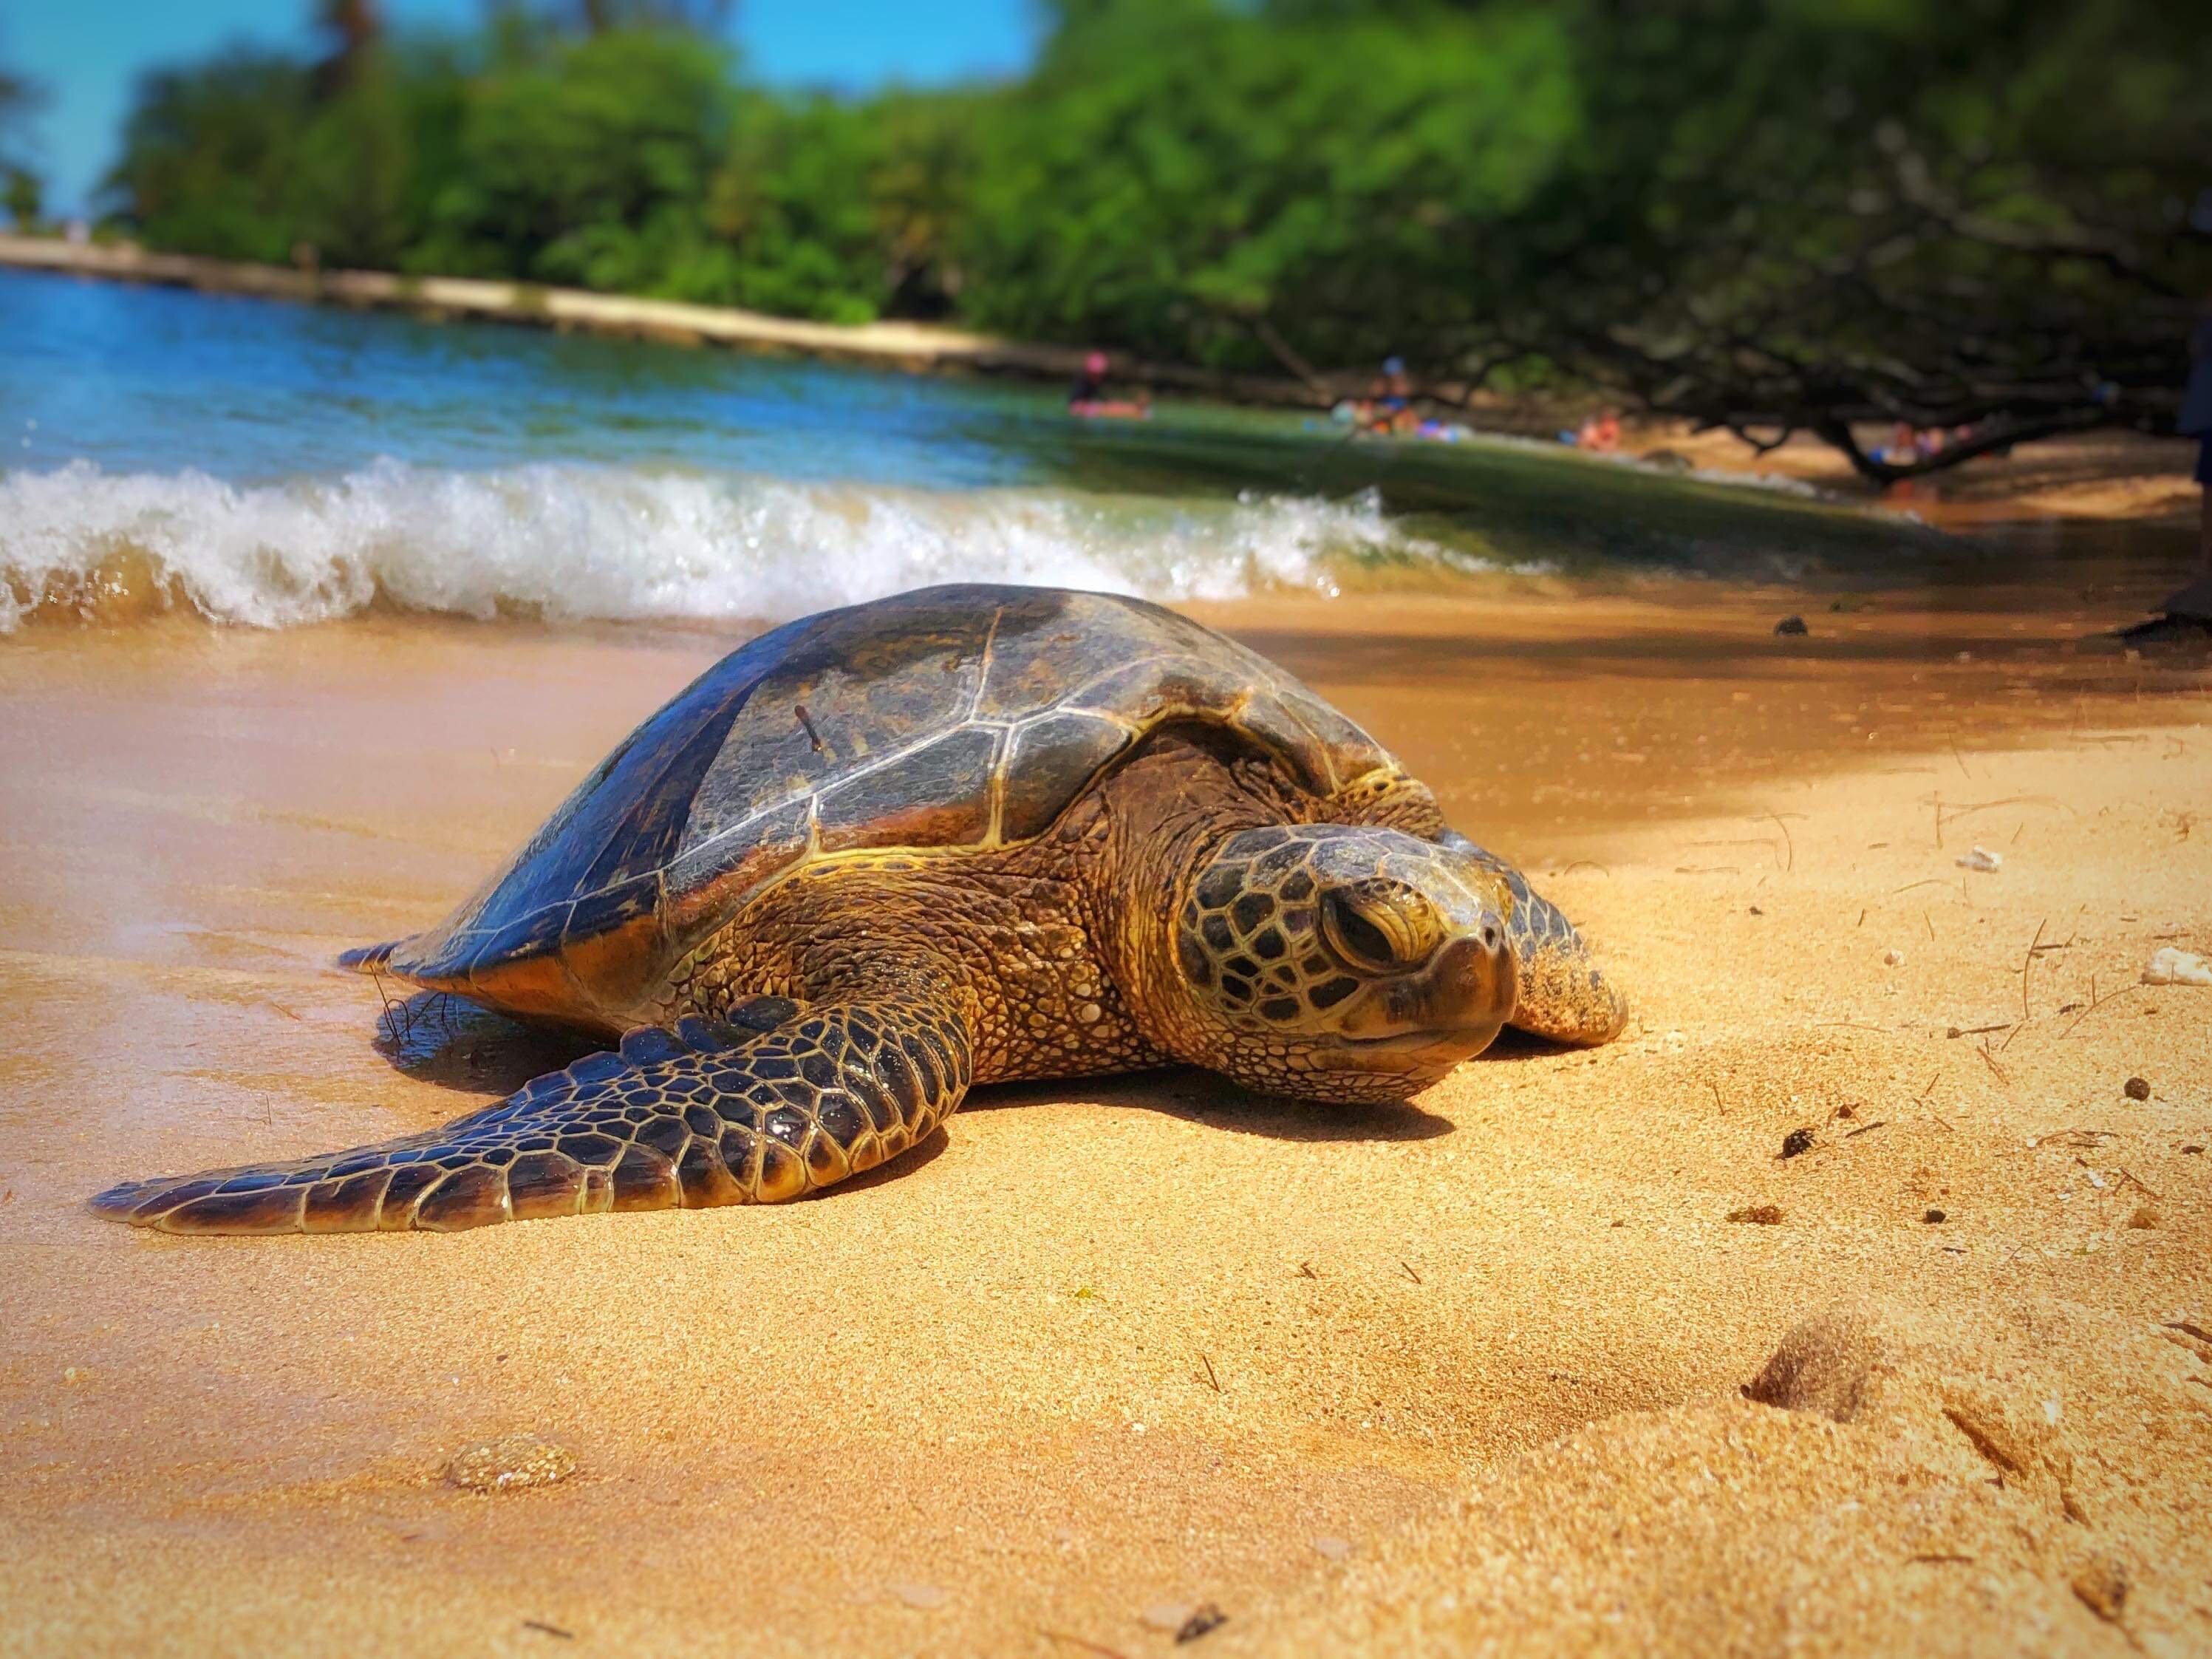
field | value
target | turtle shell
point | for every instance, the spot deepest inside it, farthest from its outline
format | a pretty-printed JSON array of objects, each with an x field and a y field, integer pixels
[{"x": 966, "y": 716}]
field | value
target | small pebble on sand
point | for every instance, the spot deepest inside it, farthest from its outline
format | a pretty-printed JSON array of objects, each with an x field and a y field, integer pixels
[
  {"x": 1336, "y": 1549},
  {"x": 2144, "y": 1217},
  {"x": 510, "y": 1464},
  {"x": 2137, "y": 1088},
  {"x": 922, "y": 1597},
  {"x": 1892, "y": 958},
  {"x": 1983, "y": 859},
  {"x": 2102, "y": 1590},
  {"x": 1789, "y": 625},
  {"x": 1758, "y": 1215},
  {"x": 1934, "y": 1218},
  {"x": 1208, "y": 1617},
  {"x": 1168, "y": 1615},
  {"x": 1797, "y": 1140},
  {"x": 2172, "y": 967}
]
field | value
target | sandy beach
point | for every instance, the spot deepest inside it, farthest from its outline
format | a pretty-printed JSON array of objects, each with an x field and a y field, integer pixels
[{"x": 1463, "y": 1375}]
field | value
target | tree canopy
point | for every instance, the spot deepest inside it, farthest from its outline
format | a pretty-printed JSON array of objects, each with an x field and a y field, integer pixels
[
  {"x": 1773, "y": 214},
  {"x": 19, "y": 188}
]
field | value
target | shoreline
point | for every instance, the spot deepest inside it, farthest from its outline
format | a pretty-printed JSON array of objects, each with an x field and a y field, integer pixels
[
  {"x": 2116, "y": 475},
  {"x": 1456, "y": 1375},
  {"x": 916, "y": 348}
]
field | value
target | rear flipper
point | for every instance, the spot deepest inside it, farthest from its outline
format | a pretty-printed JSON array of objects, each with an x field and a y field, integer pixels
[
  {"x": 1565, "y": 995},
  {"x": 766, "y": 1106}
]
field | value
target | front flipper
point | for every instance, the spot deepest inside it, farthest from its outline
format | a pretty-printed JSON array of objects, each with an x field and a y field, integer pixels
[
  {"x": 1565, "y": 995},
  {"x": 774, "y": 1103}
]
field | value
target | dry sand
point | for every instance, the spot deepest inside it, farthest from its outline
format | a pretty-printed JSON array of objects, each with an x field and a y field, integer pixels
[{"x": 1461, "y": 1376}]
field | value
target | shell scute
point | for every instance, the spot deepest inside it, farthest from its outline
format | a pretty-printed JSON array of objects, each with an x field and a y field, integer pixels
[{"x": 936, "y": 795}]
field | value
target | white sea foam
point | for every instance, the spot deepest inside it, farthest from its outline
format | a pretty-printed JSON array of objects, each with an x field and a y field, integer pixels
[{"x": 576, "y": 542}]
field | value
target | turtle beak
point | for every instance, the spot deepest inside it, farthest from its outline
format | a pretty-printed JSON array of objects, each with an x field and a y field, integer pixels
[
  {"x": 1469, "y": 989},
  {"x": 1452, "y": 1010}
]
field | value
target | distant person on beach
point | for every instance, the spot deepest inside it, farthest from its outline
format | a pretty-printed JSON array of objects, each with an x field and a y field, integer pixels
[
  {"x": 1599, "y": 433},
  {"x": 2196, "y": 422}
]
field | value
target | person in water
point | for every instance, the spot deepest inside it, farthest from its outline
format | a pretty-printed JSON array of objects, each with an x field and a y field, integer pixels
[
  {"x": 1390, "y": 405},
  {"x": 1090, "y": 386},
  {"x": 1087, "y": 398}
]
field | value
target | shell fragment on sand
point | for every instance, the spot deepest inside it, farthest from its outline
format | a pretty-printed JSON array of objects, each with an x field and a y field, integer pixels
[
  {"x": 1983, "y": 859},
  {"x": 2172, "y": 967}
]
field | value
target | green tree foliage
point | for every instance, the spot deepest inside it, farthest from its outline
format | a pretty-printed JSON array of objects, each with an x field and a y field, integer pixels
[
  {"x": 23, "y": 193},
  {"x": 587, "y": 162},
  {"x": 1793, "y": 214},
  {"x": 1206, "y": 182},
  {"x": 1773, "y": 214},
  {"x": 207, "y": 157}
]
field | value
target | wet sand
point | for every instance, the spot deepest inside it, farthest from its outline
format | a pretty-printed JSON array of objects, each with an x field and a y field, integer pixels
[{"x": 1461, "y": 1375}]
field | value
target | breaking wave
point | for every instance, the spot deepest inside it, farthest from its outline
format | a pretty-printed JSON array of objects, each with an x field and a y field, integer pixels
[{"x": 569, "y": 542}]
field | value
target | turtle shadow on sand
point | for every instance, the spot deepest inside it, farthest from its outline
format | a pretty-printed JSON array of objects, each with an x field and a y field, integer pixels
[
  {"x": 434, "y": 1036},
  {"x": 1198, "y": 1097}
]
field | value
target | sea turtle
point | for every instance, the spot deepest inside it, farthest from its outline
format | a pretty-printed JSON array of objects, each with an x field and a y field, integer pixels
[{"x": 965, "y": 835}]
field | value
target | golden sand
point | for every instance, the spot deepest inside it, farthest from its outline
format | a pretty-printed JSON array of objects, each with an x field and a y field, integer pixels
[{"x": 1462, "y": 1376}]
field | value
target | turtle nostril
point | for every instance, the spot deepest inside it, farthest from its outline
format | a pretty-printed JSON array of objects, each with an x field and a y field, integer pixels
[{"x": 1490, "y": 935}]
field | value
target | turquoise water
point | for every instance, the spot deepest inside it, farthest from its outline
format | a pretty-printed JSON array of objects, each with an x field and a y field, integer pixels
[{"x": 272, "y": 464}]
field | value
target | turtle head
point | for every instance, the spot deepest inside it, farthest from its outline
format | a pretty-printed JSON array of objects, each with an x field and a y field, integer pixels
[{"x": 1340, "y": 962}]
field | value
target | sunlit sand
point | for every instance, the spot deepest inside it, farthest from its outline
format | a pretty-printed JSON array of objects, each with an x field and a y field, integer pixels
[{"x": 1462, "y": 1374}]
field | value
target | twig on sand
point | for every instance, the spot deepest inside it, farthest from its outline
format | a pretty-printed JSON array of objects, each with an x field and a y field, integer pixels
[
  {"x": 398, "y": 1018},
  {"x": 544, "y": 1629},
  {"x": 2135, "y": 1181},
  {"x": 1866, "y": 1128},
  {"x": 1938, "y": 1556},
  {"x": 2026, "y": 962},
  {"x": 1788, "y": 842},
  {"x": 1212, "y": 1381},
  {"x": 2096, "y": 1002},
  {"x": 1719, "y": 1107},
  {"x": 1947, "y": 814},
  {"x": 1990, "y": 1060},
  {"x": 1409, "y": 1273}
]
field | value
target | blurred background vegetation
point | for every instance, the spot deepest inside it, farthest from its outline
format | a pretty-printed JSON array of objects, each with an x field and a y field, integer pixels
[{"x": 1773, "y": 214}]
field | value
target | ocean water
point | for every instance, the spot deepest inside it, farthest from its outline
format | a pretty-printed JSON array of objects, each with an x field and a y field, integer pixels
[{"x": 270, "y": 465}]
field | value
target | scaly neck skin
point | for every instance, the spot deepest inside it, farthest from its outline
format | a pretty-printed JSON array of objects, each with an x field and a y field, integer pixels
[{"x": 1160, "y": 818}]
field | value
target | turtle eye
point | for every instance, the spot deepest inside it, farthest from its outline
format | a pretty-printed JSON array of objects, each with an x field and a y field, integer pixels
[{"x": 1379, "y": 927}]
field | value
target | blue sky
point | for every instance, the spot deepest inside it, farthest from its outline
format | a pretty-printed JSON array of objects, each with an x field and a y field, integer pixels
[{"x": 89, "y": 52}]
